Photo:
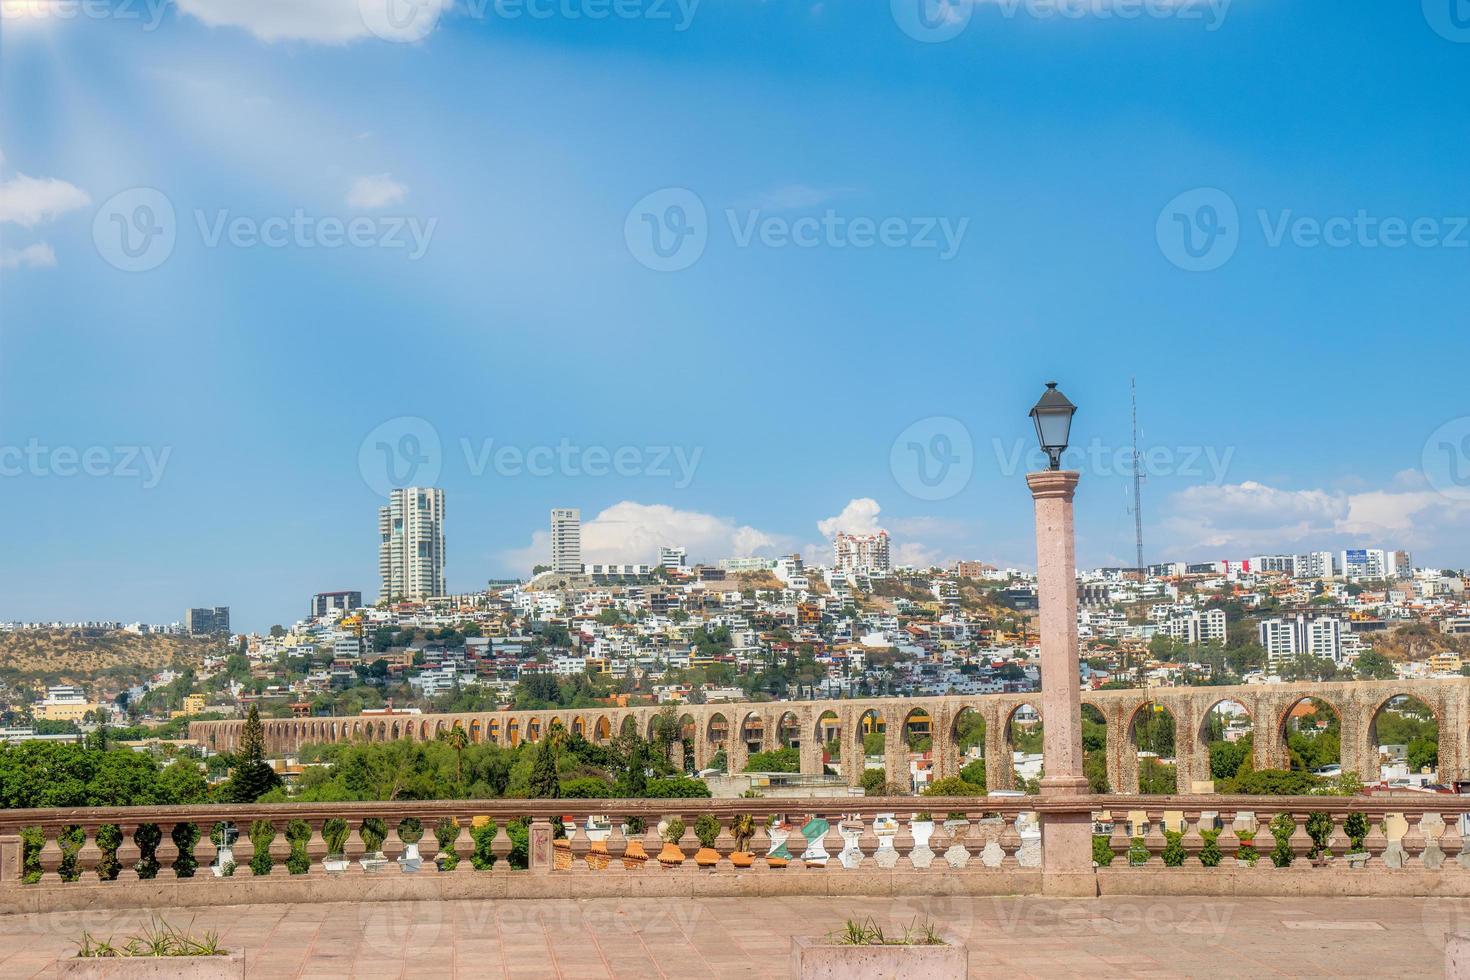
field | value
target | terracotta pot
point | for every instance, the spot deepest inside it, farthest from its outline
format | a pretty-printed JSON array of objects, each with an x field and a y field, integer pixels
[
  {"x": 742, "y": 859},
  {"x": 597, "y": 856},
  {"x": 775, "y": 862},
  {"x": 634, "y": 856},
  {"x": 706, "y": 857},
  {"x": 671, "y": 856}
]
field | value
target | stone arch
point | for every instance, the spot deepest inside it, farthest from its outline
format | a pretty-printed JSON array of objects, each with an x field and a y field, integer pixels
[
  {"x": 602, "y": 730},
  {"x": 579, "y": 725},
  {"x": 1228, "y": 720},
  {"x": 1306, "y": 736},
  {"x": 1021, "y": 735},
  {"x": 1153, "y": 729},
  {"x": 533, "y": 730},
  {"x": 494, "y": 730},
  {"x": 1094, "y": 729},
  {"x": 513, "y": 732},
  {"x": 967, "y": 733},
  {"x": 753, "y": 731},
  {"x": 827, "y": 735},
  {"x": 788, "y": 731},
  {"x": 629, "y": 726},
  {"x": 1407, "y": 720},
  {"x": 477, "y": 731}
]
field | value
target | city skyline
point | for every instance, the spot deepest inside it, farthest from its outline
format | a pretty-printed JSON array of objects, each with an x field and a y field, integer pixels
[{"x": 952, "y": 350}]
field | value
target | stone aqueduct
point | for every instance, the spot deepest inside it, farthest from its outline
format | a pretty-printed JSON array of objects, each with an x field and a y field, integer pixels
[{"x": 768, "y": 725}]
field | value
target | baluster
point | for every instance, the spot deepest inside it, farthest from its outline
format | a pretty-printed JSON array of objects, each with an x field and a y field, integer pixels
[
  {"x": 463, "y": 845},
  {"x": 1228, "y": 841},
  {"x": 1300, "y": 841},
  {"x": 89, "y": 857},
  {"x": 617, "y": 844},
  {"x": 167, "y": 852},
  {"x": 725, "y": 846},
  {"x": 1010, "y": 842},
  {"x": 316, "y": 847},
  {"x": 1413, "y": 841},
  {"x": 51, "y": 855},
  {"x": 279, "y": 849},
  {"x": 354, "y": 848},
  {"x": 1431, "y": 856},
  {"x": 429, "y": 842},
  {"x": 244, "y": 848},
  {"x": 1376, "y": 843},
  {"x": 1193, "y": 840},
  {"x": 128, "y": 853},
  {"x": 1451, "y": 843},
  {"x": 580, "y": 845},
  {"x": 760, "y": 846},
  {"x": 903, "y": 840},
  {"x": 392, "y": 846},
  {"x": 1154, "y": 838},
  {"x": 833, "y": 843},
  {"x": 500, "y": 849},
  {"x": 1119, "y": 840}
]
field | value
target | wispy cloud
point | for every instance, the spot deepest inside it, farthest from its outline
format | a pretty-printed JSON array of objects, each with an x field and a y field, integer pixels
[
  {"x": 37, "y": 256},
  {"x": 375, "y": 191},
  {"x": 30, "y": 201}
]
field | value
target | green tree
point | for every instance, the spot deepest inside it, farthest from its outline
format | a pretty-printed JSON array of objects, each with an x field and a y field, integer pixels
[
  {"x": 253, "y": 776},
  {"x": 545, "y": 783}
]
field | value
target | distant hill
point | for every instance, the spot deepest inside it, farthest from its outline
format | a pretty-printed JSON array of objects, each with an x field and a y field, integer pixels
[{"x": 75, "y": 656}]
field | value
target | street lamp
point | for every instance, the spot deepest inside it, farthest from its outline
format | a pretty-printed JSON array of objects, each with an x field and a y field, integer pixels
[
  {"x": 1066, "y": 838},
  {"x": 1053, "y": 417}
]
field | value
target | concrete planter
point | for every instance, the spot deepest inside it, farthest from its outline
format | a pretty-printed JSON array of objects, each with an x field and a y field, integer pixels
[
  {"x": 817, "y": 958},
  {"x": 229, "y": 967}
]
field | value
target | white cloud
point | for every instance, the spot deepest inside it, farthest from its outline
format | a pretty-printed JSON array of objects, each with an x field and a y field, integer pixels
[
  {"x": 632, "y": 532},
  {"x": 1236, "y": 519},
  {"x": 37, "y": 256},
  {"x": 321, "y": 21},
  {"x": 30, "y": 201},
  {"x": 375, "y": 191},
  {"x": 860, "y": 516}
]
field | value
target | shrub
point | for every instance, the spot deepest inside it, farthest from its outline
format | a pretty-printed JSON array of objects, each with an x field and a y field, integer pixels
[
  {"x": 1356, "y": 828},
  {"x": 147, "y": 837},
  {"x": 953, "y": 786},
  {"x": 1247, "y": 852},
  {"x": 1319, "y": 828},
  {"x": 1209, "y": 854},
  {"x": 636, "y": 826},
  {"x": 1282, "y": 827},
  {"x": 519, "y": 832},
  {"x": 707, "y": 829},
  {"x": 373, "y": 832},
  {"x": 677, "y": 788},
  {"x": 742, "y": 828},
  {"x": 482, "y": 857},
  {"x": 185, "y": 836},
  {"x": 262, "y": 833},
  {"x": 446, "y": 833},
  {"x": 586, "y": 788},
  {"x": 411, "y": 830},
  {"x": 1102, "y": 851},
  {"x": 1174, "y": 853},
  {"x": 776, "y": 760},
  {"x": 298, "y": 832},
  {"x": 334, "y": 832},
  {"x": 1137, "y": 852},
  {"x": 673, "y": 830}
]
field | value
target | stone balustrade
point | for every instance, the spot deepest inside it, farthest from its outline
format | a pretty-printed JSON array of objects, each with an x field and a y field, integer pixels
[
  {"x": 742, "y": 728},
  {"x": 1389, "y": 844}
]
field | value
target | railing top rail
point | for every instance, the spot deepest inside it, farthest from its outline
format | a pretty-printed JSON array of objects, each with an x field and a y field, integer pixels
[{"x": 1376, "y": 805}]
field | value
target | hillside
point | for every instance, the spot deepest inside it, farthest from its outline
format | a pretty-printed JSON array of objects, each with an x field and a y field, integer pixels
[{"x": 67, "y": 656}]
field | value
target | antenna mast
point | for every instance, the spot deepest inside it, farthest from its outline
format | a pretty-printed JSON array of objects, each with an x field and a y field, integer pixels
[{"x": 1137, "y": 479}]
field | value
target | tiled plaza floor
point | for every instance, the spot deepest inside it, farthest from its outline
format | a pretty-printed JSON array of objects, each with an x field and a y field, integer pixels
[{"x": 646, "y": 939}]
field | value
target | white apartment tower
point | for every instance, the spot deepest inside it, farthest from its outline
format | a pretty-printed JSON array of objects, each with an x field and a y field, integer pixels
[
  {"x": 411, "y": 549},
  {"x": 862, "y": 554},
  {"x": 566, "y": 541}
]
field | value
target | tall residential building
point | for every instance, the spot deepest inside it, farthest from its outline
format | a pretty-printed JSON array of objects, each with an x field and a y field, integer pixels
[
  {"x": 566, "y": 541},
  {"x": 1314, "y": 564},
  {"x": 674, "y": 559},
  {"x": 411, "y": 551},
  {"x": 1198, "y": 626},
  {"x": 861, "y": 554},
  {"x": 1370, "y": 563},
  {"x": 1284, "y": 639},
  {"x": 203, "y": 621},
  {"x": 324, "y": 602}
]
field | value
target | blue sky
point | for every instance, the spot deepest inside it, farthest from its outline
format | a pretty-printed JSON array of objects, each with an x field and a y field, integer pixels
[{"x": 1299, "y": 358}]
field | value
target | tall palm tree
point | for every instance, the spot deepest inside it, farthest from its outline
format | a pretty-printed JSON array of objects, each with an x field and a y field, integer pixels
[{"x": 458, "y": 740}]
